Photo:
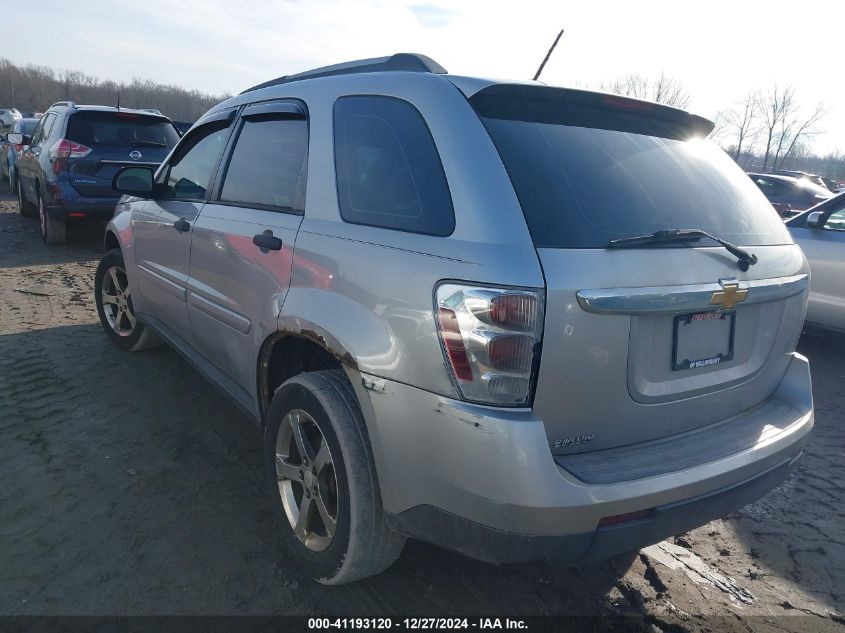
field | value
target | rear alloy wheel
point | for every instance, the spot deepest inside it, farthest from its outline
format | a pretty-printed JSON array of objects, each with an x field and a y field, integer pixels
[
  {"x": 307, "y": 482},
  {"x": 24, "y": 208},
  {"x": 113, "y": 297},
  {"x": 323, "y": 480},
  {"x": 52, "y": 231}
]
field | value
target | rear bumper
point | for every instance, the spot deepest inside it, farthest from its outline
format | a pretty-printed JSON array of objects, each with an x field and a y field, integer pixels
[
  {"x": 62, "y": 200},
  {"x": 496, "y": 546},
  {"x": 81, "y": 209},
  {"x": 483, "y": 481}
]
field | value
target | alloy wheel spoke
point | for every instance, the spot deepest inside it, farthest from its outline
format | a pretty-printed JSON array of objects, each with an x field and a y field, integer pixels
[
  {"x": 303, "y": 524},
  {"x": 323, "y": 457},
  {"x": 113, "y": 275},
  {"x": 302, "y": 442},
  {"x": 284, "y": 470},
  {"x": 328, "y": 521}
]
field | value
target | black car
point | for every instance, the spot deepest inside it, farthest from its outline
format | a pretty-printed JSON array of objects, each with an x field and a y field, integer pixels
[
  {"x": 790, "y": 195},
  {"x": 65, "y": 169}
]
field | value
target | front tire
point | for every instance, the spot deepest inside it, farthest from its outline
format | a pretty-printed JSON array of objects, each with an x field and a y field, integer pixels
[
  {"x": 114, "y": 306},
  {"x": 52, "y": 231},
  {"x": 323, "y": 481}
]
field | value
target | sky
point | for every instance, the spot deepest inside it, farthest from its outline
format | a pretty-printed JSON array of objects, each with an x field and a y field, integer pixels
[{"x": 719, "y": 49}]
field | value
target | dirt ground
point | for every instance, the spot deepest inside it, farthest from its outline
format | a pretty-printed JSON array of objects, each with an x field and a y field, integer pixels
[{"x": 128, "y": 485}]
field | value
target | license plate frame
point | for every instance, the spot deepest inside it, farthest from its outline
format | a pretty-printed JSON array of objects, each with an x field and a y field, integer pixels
[{"x": 723, "y": 319}]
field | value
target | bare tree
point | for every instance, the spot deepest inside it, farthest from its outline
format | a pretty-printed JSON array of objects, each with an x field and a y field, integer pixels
[
  {"x": 662, "y": 89},
  {"x": 796, "y": 131},
  {"x": 775, "y": 108},
  {"x": 34, "y": 88},
  {"x": 741, "y": 125}
]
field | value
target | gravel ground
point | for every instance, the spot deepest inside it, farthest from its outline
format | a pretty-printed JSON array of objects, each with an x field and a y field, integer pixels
[{"x": 129, "y": 486}]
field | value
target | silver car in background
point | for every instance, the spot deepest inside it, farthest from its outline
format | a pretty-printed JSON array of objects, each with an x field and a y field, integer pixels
[
  {"x": 820, "y": 232},
  {"x": 518, "y": 321}
]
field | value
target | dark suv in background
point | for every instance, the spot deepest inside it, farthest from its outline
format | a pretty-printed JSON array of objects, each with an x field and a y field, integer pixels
[{"x": 65, "y": 169}]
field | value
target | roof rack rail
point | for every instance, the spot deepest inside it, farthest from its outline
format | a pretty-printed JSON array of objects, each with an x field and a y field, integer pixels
[
  {"x": 408, "y": 62},
  {"x": 69, "y": 104}
]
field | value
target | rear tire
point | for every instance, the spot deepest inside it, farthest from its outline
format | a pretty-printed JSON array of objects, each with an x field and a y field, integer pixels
[
  {"x": 114, "y": 306},
  {"x": 52, "y": 231},
  {"x": 359, "y": 543},
  {"x": 24, "y": 207}
]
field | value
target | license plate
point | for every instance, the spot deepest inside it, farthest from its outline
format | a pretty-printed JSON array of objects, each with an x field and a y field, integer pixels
[{"x": 703, "y": 339}]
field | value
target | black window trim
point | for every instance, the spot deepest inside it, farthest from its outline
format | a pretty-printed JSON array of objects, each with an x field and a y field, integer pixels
[
  {"x": 287, "y": 108},
  {"x": 436, "y": 151}
]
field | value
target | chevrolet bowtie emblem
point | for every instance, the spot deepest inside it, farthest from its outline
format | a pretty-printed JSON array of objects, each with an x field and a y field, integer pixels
[{"x": 728, "y": 296}]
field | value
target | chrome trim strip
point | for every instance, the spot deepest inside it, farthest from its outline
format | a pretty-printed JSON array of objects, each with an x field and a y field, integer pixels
[
  {"x": 689, "y": 298},
  {"x": 129, "y": 163}
]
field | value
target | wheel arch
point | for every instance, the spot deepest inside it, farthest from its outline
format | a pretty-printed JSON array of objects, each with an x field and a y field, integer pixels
[
  {"x": 323, "y": 351},
  {"x": 110, "y": 240},
  {"x": 297, "y": 346}
]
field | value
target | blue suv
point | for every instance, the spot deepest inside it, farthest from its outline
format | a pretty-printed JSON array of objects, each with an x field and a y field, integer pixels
[{"x": 65, "y": 169}]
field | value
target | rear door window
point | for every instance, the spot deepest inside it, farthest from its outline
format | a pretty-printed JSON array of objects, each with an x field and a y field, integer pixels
[
  {"x": 389, "y": 173},
  {"x": 267, "y": 166},
  {"x": 121, "y": 129},
  {"x": 589, "y": 168}
]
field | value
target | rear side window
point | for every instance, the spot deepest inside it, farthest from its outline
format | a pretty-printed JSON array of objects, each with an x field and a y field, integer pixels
[
  {"x": 120, "y": 129},
  {"x": 267, "y": 168},
  {"x": 389, "y": 173},
  {"x": 587, "y": 172}
]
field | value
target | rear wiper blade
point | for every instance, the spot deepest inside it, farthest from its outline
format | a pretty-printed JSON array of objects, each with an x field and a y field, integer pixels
[{"x": 746, "y": 258}]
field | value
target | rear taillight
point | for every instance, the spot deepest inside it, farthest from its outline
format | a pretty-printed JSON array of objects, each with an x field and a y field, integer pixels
[
  {"x": 491, "y": 340},
  {"x": 64, "y": 148}
]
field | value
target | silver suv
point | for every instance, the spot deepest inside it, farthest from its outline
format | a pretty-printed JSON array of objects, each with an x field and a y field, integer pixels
[{"x": 518, "y": 321}]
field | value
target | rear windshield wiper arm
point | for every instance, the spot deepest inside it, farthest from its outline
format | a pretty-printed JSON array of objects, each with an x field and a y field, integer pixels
[{"x": 746, "y": 259}]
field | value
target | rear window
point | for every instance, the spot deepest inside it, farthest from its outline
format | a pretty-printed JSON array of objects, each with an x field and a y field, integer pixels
[
  {"x": 587, "y": 175},
  {"x": 121, "y": 129}
]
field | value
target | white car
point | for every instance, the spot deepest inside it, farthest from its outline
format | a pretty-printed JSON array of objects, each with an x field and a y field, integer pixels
[{"x": 820, "y": 231}]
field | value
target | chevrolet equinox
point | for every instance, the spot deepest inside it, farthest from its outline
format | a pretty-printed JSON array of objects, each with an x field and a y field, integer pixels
[{"x": 518, "y": 321}]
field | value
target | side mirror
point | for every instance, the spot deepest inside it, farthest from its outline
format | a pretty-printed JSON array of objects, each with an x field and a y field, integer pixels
[
  {"x": 815, "y": 219},
  {"x": 134, "y": 181},
  {"x": 16, "y": 138}
]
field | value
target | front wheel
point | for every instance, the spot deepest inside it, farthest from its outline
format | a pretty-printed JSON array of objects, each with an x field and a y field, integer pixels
[
  {"x": 114, "y": 305},
  {"x": 323, "y": 481},
  {"x": 52, "y": 231}
]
